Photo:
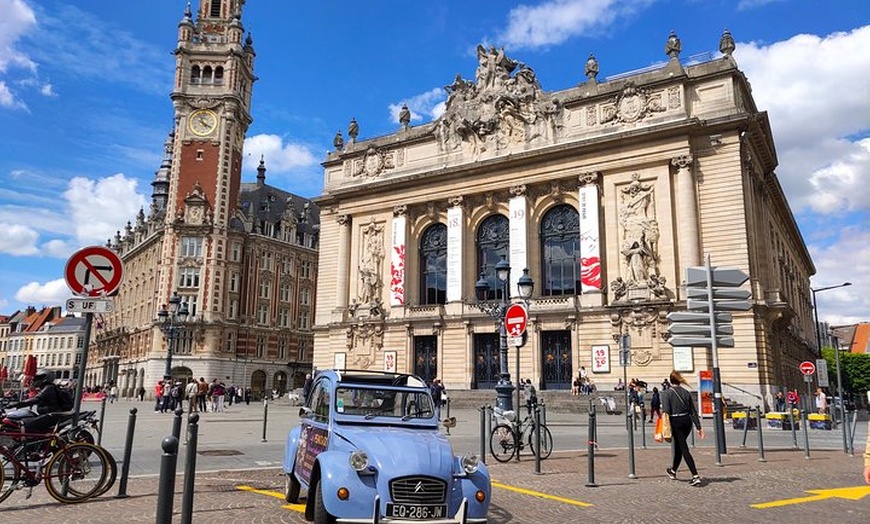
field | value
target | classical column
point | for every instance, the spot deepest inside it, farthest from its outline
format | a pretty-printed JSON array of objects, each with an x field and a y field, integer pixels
[
  {"x": 590, "y": 247},
  {"x": 687, "y": 213},
  {"x": 343, "y": 260},
  {"x": 518, "y": 226},
  {"x": 455, "y": 225},
  {"x": 397, "y": 256}
]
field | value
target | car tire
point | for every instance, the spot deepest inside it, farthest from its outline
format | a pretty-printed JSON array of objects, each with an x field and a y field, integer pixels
[
  {"x": 291, "y": 489},
  {"x": 321, "y": 516}
]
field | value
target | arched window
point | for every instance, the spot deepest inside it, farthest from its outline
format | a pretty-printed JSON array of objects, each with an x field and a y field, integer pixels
[
  {"x": 560, "y": 251},
  {"x": 206, "y": 75},
  {"x": 195, "y": 75},
  {"x": 493, "y": 242},
  {"x": 433, "y": 265},
  {"x": 219, "y": 75}
]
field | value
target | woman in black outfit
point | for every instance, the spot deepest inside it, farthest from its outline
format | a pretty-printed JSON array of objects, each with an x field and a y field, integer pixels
[{"x": 678, "y": 404}]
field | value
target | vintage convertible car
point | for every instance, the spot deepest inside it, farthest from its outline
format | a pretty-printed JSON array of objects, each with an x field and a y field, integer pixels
[{"x": 368, "y": 449}]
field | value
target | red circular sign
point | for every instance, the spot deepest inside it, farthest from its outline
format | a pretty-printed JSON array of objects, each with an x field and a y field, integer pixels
[
  {"x": 94, "y": 271},
  {"x": 515, "y": 320},
  {"x": 807, "y": 367}
]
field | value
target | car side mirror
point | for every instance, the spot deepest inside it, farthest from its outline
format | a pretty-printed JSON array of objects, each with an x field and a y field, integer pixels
[{"x": 304, "y": 411}]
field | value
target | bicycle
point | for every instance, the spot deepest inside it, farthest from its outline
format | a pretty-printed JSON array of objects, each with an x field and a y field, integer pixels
[
  {"x": 509, "y": 438},
  {"x": 72, "y": 471}
]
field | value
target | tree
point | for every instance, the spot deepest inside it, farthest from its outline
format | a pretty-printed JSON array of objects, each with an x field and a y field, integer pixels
[{"x": 854, "y": 369}]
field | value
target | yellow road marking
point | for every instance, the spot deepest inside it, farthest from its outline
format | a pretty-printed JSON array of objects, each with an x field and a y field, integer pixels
[
  {"x": 540, "y": 495},
  {"x": 853, "y": 493},
  {"x": 295, "y": 507}
]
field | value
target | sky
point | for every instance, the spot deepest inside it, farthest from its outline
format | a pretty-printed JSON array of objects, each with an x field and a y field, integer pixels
[{"x": 85, "y": 109}]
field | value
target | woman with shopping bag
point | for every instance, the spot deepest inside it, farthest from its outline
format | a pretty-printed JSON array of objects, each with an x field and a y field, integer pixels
[{"x": 679, "y": 408}]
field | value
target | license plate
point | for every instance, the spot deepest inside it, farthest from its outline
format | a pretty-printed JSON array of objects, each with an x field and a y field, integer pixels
[{"x": 416, "y": 512}]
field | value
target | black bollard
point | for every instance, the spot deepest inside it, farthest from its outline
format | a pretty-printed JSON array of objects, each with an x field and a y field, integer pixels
[
  {"x": 590, "y": 447},
  {"x": 483, "y": 434},
  {"x": 176, "y": 423},
  {"x": 538, "y": 449},
  {"x": 448, "y": 414},
  {"x": 166, "y": 484},
  {"x": 760, "y": 438},
  {"x": 643, "y": 432},
  {"x": 189, "y": 469},
  {"x": 265, "y": 417},
  {"x": 853, "y": 427},
  {"x": 746, "y": 426},
  {"x": 128, "y": 450},
  {"x": 628, "y": 426},
  {"x": 793, "y": 430},
  {"x": 102, "y": 418},
  {"x": 543, "y": 412},
  {"x": 806, "y": 434}
]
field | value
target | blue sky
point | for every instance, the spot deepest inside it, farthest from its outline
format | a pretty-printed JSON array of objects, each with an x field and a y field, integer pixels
[{"x": 84, "y": 106}]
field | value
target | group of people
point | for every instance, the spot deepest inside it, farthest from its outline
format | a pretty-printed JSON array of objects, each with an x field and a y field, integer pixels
[
  {"x": 582, "y": 384},
  {"x": 792, "y": 398},
  {"x": 200, "y": 396}
]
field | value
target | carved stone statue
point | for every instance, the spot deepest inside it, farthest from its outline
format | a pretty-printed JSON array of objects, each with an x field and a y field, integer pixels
[
  {"x": 405, "y": 116},
  {"x": 726, "y": 43},
  {"x": 338, "y": 141},
  {"x": 592, "y": 67},
  {"x": 353, "y": 130},
  {"x": 673, "y": 46},
  {"x": 370, "y": 266},
  {"x": 640, "y": 232}
]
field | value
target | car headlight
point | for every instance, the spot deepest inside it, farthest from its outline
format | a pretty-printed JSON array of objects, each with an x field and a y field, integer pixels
[
  {"x": 359, "y": 461},
  {"x": 470, "y": 462}
]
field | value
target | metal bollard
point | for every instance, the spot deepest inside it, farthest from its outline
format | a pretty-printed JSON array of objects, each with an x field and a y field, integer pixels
[
  {"x": 793, "y": 430},
  {"x": 482, "y": 410},
  {"x": 760, "y": 438},
  {"x": 102, "y": 419},
  {"x": 643, "y": 432},
  {"x": 543, "y": 412},
  {"x": 806, "y": 434},
  {"x": 166, "y": 485},
  {"x": 538, "y": 449},
  {"x": 265, "y": 417},
  {"x": 448, "y": 413},
  {"x": 628, "y": 426},
  {"x": 189, "y": 469},
  {"x": 128, "y": 450},
  {"x": 176, "y": 423},
  {"x": 590, "y": 447},
  {"x": 746, "y": 426},
  {"x": 854, "y": 418}
]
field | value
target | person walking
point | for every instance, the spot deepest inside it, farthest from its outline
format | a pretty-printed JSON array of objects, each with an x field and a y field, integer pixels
[
  {"x": 655, "y": 405},
  {"x": 678, "y": 404},
  {"x": 190, "y": 394},
  {"x": 821, "y": 401},
  {"x": 531, "y": 396}
]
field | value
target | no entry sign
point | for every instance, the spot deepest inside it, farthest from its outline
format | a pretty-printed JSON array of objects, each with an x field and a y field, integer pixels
[
  {"x": 515, "y": 320},
  {"x": 807, "y": 367},
  {"x": 94, "y": 271}
]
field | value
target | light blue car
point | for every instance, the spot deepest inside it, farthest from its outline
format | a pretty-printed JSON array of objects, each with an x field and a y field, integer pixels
[{"x": 368, "y": 449}]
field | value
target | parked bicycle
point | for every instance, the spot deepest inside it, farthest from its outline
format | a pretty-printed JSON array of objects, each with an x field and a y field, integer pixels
[
  {"x": 72, "y": 471},
  {"x": 509, "y": 438}
]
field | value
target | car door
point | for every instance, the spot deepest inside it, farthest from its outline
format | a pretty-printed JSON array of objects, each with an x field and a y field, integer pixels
[{"x": 314, "y": 436}]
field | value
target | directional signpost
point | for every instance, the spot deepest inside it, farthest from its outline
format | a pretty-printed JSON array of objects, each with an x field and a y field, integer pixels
[{"x": 712, "y": 293}]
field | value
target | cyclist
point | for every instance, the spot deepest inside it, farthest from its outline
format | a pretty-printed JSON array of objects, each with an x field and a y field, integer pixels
[{"x": 47, "y": 401}]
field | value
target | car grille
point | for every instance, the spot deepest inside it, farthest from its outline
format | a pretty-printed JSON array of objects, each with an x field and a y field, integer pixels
[{"x": 418, "y": 490}]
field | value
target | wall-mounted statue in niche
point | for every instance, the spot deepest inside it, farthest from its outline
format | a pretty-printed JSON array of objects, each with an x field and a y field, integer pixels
[
  {"x": 371, "y": 262},
  {"x": 640, "y": 236}
]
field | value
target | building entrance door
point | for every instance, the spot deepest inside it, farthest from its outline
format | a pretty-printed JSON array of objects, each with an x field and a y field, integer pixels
[
  {"x": 486, "y": 366},
  {"x": 556, "y": 359},
  {"x": 426, "y": 357}
]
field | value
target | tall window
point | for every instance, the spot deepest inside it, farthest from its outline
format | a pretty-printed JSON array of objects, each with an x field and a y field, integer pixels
[
  {"x": 188, "y": 277},
  {"x": 305, "y": 296},
  {"x": 262, "y": 314},
  {"x": 215, "y": 10},
  {"x": 191, "y": 247},
  {"x": 265, "y": 288},
  {"x": 282, "y": 349},
  {"x": 433, "y": 265},
  {"x": 560, "y": 251},
  {"x": 493, "y": 242}
]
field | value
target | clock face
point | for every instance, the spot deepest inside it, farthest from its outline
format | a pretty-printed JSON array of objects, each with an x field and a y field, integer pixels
[{"x": 202, "y": 122}]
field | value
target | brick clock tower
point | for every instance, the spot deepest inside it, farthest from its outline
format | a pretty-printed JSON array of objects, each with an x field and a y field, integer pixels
[{"x": 214, "y": 74}]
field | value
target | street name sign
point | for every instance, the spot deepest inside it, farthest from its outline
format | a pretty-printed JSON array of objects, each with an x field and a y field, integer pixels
[
  {"x": 90, "y": 305},
  {"x": 696, "y": 276},
  {"x": 720, "y": 305},
  {"x": 689, "y": 340}
]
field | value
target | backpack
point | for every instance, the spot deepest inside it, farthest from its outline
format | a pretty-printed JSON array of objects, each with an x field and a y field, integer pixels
[{"x": 65, "y": 399}]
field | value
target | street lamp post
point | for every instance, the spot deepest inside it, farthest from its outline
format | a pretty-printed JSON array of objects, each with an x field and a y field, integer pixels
[
  {"x": 497, "y": 310},
  {"x": 171, "y": 324},
  {"x": 844, "y": 422}
]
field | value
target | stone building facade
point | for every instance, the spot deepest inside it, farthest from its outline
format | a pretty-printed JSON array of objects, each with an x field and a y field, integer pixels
[
  {"x": 606, "y": 192},
  {"x": 241, "y": 256}
]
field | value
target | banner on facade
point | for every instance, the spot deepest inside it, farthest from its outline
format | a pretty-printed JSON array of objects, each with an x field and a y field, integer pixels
[
  {"x": 390, "y": 361},
  {"x": 339, "y": 361},
  {"x": 683, "y": 358},
  {"x": 397, "y": 262},
  {"x": 601, "y": 358},
  {"x": 590, "y": 255},
  {"x": 517, "y": 224},
  {"x": 705, "y": 392},
  {"x": 454, "y": 253}
]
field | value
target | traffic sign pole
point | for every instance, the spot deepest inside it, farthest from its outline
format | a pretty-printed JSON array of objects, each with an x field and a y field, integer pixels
[{"x": 718, "y": 422}]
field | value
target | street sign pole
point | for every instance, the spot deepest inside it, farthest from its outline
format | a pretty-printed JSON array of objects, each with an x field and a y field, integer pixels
[
  {"x": 718, "y": 422},
  {"x": 83, "y": 365},
  {"x": 624, "y": 356}
]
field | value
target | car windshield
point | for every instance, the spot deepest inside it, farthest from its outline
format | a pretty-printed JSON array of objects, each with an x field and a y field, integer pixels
[{"x": 371, "y": 403}]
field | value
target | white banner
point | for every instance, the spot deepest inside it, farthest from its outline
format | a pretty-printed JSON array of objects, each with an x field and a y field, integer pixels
[
  {"x": 455, "y": 223},
  {"x": 390, "y": 361},
  {"x": 601, "y": 359},
  {"x": 683, "y": 358},
  {"x": 397, "y": 262},
  {"x": 590, "y": 254},
  {"x": 517, "y": 258}
]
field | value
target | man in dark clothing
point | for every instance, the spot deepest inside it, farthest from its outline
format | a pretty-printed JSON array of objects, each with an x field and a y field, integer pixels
[{"x": 47, "y": 401}]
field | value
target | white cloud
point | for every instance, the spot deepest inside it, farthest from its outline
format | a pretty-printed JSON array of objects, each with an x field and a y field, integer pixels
[
  {"x": 846, "y": 260},
  {"x": 17, "y": 20},
  {"x": 555, "y": 21},
  {"x": 428, "y": 106},
  {"x": 815, "y": 90},
  {"x": 52, "y": 293},
  {"x": 744, "y": 5},
  {"x": 279, "y": 157},
  {"x": 47, "y": 90},
  {"x": 99, "y": 208},
  {"x": 58, "y": 248},
  {"x": 18, "y": 240}
]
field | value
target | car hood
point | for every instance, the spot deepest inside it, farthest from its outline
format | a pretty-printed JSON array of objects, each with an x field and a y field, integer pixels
[{"x": 402, "y": 451}]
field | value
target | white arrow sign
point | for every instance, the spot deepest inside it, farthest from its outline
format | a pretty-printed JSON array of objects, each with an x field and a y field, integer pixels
[{"x": 722, "y": 276}]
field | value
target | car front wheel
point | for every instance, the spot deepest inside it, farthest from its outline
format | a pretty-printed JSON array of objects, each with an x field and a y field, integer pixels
[
  {"x": 291, "y": 488},
  {"x": 321, "y": 516}
]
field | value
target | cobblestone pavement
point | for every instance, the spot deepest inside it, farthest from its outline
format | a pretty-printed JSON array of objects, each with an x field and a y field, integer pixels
[{"x": 558, "y": 494}]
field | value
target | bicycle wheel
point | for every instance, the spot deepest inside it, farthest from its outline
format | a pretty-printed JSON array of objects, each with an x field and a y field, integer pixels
[
  {"x": 111, "y": 474},
  {"x": 76, "y": 473},
  {"x": 503, "y": 442},
  {"x": 10, "y": 475},
  {"x": 546, "y": 442}
]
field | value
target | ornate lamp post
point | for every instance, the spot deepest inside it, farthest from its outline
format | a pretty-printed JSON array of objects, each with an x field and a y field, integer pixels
[
  {"x": 171, "y": 324},
  {"x": 836, "y": 359},
  {"x": 497, "y": 309}
]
